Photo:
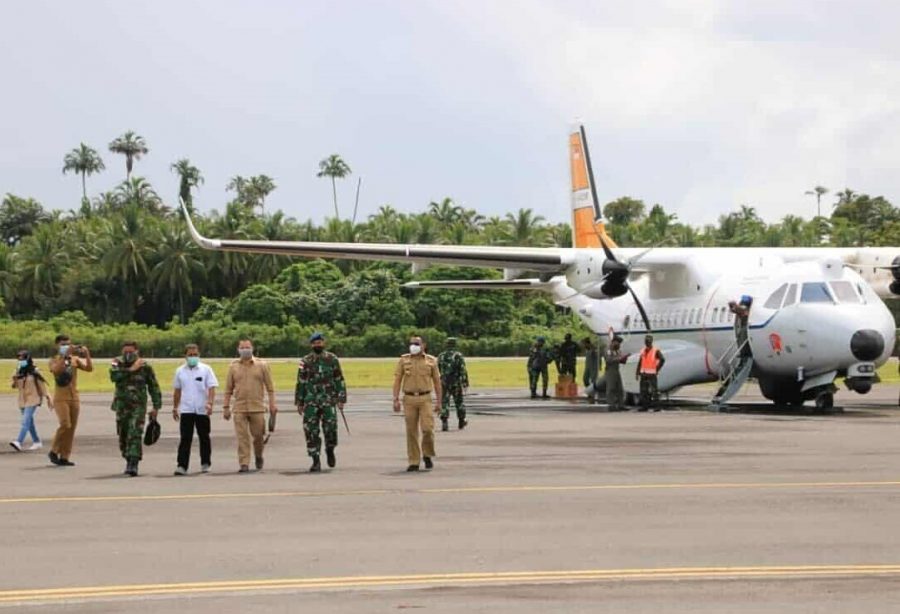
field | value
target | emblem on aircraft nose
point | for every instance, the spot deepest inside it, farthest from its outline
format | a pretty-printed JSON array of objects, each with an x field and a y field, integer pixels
[
  {"x": 867, "y": 344},
  {"x": 775, "y": 342}
]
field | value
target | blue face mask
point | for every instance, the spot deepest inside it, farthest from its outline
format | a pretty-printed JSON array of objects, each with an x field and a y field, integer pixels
[
  {"x": 63, "y": 350},
  {"x": 23, "y": 364},
  {"x": 193, "y": 361}
]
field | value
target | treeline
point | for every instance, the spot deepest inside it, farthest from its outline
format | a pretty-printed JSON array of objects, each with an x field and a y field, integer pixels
[{"x": 122, "y": 264}]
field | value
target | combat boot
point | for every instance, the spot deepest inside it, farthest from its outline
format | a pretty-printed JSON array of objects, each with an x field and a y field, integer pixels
[
  {"x": 316, "y": 466},
  {"x": 545, "y": 395},
  {"x": 462, "y": 423},
  {"x": 444, "y": 425},
  {"x": 534, "y": 394},
  {"x": 132, "y": 467},
  {"x": 329, "y": 455}
]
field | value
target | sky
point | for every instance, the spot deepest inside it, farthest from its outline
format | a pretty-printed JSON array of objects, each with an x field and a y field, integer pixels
[{"x": 700, "y": 106}]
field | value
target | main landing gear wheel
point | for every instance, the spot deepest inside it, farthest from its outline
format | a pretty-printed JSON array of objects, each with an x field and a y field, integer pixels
[{"x": 824, "y": 401}]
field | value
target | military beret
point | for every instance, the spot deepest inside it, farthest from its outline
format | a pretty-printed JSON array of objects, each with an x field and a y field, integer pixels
[
  {"x": 317, "y": 336},
  {"x": 539, "y": 339},
  {"x": 451, "y": 340}
]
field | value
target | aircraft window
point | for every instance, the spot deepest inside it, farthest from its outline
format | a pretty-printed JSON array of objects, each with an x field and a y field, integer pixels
[
  {"x": 684, "y": 316},
  {"x": 791, "y": 297},
  {"x": 774, "y": 301},
  {"x": 815, "y": 292},
  {"x": 844, "y": 292},
  {"x": 722, "y": 315},
  {"x": 627, "y": 322}
]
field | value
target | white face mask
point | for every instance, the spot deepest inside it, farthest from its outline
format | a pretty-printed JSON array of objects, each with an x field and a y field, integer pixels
[
  {"x": 415, "y": 349},
  {"x": 246, "y": 352}
]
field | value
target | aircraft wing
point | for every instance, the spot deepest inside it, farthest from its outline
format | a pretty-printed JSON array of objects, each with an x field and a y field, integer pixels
[
  {"x": 482, "y": 284},
  {"x": 549, "y": 259}
]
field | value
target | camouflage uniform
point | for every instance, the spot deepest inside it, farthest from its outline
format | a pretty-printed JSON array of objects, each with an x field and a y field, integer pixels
[
  {"x": 130, "y": 404},
  {"x": 320, "y": 387},
  {"x": 567, "y": 357},
  {"x": 539, "y": 357},
  {"x": 454, "y": 378}
]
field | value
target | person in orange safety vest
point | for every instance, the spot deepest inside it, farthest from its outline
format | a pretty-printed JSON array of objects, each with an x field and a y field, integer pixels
[{"x": 649, "y": 365}]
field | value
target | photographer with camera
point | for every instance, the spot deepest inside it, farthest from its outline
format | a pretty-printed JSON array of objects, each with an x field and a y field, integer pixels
[{"x": 64, "y": 366}]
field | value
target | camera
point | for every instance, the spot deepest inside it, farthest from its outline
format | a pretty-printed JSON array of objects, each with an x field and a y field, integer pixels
[{"x": 79, "y": 351}]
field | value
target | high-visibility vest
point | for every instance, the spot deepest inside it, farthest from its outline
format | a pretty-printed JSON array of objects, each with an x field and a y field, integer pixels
[{"x": 648, "y": 360}]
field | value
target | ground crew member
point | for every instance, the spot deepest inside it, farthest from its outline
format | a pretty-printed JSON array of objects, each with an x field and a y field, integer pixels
[
  {"x": 568, "y": 352},
  {"x": 64, "y": 366},
  {"x": 195, "y": 394},
  {"x": 648, "y": 367},
  {"x": 134, "y": 380},
  {"x": 615, "y": 392},
  {"x": 320, "y": 387},
  {"x": 741, "y": 311},
  {"x": 591, "y": 368},
  {"x": 249, "y": 380},
  {"x": 454, "y": 381},
  {"x": 538, "y": 360},
  {"x": 417, "y": 375}
]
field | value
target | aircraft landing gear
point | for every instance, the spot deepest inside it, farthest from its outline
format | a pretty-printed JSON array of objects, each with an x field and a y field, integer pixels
[{"x": 825, "y": 400}]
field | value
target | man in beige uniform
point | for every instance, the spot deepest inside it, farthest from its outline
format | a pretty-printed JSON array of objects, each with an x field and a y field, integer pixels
[
  {"x": 64, "y": 366},
  {"x": 418, "y": 376},
  {"x": 250, "y": 382}
]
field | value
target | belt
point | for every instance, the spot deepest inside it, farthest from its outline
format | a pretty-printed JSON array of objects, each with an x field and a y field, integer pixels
[{"x": 416, "y": 394}]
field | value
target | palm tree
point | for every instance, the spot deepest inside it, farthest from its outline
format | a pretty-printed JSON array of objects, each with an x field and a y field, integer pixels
[
  {"x": 189, "y": 177},
  {"x": 40, "y": 263},
  {"x": 525, "y": 228},
  {"x": 130, "y": 145},
  {"x": 446, "y": 212},
  {"x": 334, "y": 166},
  {"x": 818, "y": 192},
  {"x": 259, "y": 187},
  {"x": 138, "y": 192},
  {"x": 84, "y": 160},
  {"x": 179, "y": 265}
]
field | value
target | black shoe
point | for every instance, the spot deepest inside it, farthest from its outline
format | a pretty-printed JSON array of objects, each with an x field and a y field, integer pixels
[
  {"x": 259, "y": 463},
  {"x": 54, "y": 457},
  {"x": 316, "y": 466},
  {"x": 329, "y": 455},
  {"x": 545, "y": 396},
  {"x": 132, "y": 468},
  {"x": 428, "y": 463},
  {"x": 657, "y": 409},
  {"x": 534, "y": 395},
  {"x": 244, "y": 469},
  {"x": 65, "y": 462},
  {"x": 412, "y": 468},
  {"x": 462, "y": 423},
  {"x": 444, "y": 425}
]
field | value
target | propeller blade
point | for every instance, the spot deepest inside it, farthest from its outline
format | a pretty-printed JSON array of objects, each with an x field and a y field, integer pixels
[
  {"x": 639, "y": 306},
  {"x": 606, "y": 250}
]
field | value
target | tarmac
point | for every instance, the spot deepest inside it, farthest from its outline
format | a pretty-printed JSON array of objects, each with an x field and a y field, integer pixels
[{"x": 537, "y": 506}]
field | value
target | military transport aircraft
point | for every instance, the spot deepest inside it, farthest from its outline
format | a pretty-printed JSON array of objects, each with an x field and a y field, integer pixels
[{"x": 817, "y": 313}]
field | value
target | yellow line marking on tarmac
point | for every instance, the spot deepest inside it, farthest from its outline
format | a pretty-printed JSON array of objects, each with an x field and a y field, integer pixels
[
  {"x": 454, "y": 490},
  {"x": 443, "y": 579}
]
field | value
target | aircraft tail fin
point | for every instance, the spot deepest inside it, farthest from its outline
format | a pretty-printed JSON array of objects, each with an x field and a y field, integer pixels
[{"x": 587, "y": 218}]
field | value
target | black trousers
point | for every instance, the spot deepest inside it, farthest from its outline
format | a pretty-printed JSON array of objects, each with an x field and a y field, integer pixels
[{"x": 188, "y": 423}]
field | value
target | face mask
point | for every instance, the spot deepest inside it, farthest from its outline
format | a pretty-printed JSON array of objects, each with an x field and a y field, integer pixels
[
  {"x": 318, "y": 350},
  {"x": 415, "y": 349},
  {"x": 130, "y": 356},
  {"x": 23, "y": 364},
  {"x": 193, "y": 361},
  {"x": 246, "y": 352},
  {"x": 63, "y": 350}
]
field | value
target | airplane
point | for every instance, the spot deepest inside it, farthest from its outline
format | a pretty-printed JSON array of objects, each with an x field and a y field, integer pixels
[{"x": 817, "y": 313}]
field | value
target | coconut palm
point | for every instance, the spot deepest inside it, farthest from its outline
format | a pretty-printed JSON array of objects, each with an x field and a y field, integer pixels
[
  {"x": 259, "y": 187},
  {"x": 334, "y": 167},
  {"x": 818, "y": 192},
  {"x": 138, "y": 192},
  {"x": 524, "y": 228},
  {"x": 40, "y": 263},
  {"x": 130, "y": 145},
  {"x": 189, "y": 177},
  {"x": 446, "y": 212},
  {"x": 85, "y": 161},
  {"x": 179, "y": 265}
]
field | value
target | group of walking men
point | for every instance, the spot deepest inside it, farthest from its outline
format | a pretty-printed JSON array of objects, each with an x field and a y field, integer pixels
[
  {"x": 564, "y": 356},
  {"x": 320, "y": 394}
]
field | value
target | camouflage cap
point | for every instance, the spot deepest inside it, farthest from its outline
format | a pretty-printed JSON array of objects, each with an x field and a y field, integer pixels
[{"x": 451, "y": 340}]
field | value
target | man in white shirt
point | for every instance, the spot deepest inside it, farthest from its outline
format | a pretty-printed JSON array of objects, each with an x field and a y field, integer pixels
[{"x": 195, "y": 392}]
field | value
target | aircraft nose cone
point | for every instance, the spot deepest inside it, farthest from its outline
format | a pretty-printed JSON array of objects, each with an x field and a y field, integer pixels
[{"x": 867, "y": 344}]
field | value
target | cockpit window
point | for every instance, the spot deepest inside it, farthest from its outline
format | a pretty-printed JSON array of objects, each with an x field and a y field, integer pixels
[
  {"x": 815, "y": 292},
  {"x": 791, "y": 297},
  {"x": 844, "y": 292},
  {"x": 774, "y": 301}
]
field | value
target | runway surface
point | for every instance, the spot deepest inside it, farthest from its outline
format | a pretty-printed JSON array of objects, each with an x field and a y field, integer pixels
[{"x": 537, "y": 506}]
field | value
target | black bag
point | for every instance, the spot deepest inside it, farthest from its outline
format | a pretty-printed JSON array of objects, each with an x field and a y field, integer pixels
[
  {"x": 151, "y": 435},
  {"x": 63, "y": 379}
]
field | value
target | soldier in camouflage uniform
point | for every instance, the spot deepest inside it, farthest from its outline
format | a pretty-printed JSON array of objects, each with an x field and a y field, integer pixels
[
  {"x": 568, "y": 356},
  {"x": 454, "y": 380},
  {"x": 134, "y": 380},
  {"x": 320, "y": 386},
  {"x": 539, "y": 357}
]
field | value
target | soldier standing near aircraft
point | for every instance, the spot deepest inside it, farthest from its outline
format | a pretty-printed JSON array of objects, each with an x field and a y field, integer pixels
[
  {"x": 538, "y": 360},
  {"x": 649, "y": 365},
  {"x": 591, "y": 368},
  {"x": 320, "y": 388},
  {"x": 134, "y": 380},
  {"x": 568, "y": 353},
  {"x": 454, "y": 380},
  {"x": 615, "y": 392},
  {"x": 417, "y": 375}
]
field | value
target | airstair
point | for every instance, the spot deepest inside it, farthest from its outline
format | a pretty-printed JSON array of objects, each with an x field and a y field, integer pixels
[{"x": 735, "y": 365}]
